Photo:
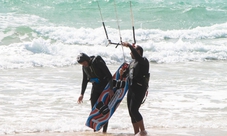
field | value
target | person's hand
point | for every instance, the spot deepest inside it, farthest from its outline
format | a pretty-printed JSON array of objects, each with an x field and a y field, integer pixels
[
  {"x": 126, "y": 44},
  {"x": 121, "y": 72},
  {"x": 111, "y": 93},
  {"x": 80, "y": 99}
]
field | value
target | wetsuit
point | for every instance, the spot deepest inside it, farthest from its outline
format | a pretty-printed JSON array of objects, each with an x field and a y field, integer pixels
[
  {"x": 98, "y": 70},
  {"x": 138, "y": 73}
]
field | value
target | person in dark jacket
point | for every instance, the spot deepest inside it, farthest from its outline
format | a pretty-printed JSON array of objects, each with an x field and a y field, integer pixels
[
  {"x": 138, "y": 74},
  {"x": 95, "y": 71}
]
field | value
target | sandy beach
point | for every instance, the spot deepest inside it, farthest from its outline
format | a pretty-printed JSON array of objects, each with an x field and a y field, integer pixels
[{"x": 151, "y": 132}]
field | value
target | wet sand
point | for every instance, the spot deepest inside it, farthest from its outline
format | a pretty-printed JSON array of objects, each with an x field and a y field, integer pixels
[{"x": 151, "y": 132}]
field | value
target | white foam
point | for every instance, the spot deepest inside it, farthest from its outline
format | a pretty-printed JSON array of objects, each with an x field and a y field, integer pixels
[
  {"x": 47, "y": 45},
  {"x": 45, "y": 99}
]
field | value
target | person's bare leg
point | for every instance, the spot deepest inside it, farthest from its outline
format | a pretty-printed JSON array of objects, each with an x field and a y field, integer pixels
[
  {"x": 135, "y": 127},
  {"x": 141, "y": 125},
  {"x": 142, "y": 132}
]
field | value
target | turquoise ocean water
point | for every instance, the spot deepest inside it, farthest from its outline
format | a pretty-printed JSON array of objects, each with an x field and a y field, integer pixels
[
  {"x": 184, "y": 40},
  {"x": 170, "y": 31}
]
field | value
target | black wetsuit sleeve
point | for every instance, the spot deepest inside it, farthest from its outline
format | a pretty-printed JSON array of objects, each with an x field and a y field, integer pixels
[
  {"x": 107, "y": 72},
  {"x": 137, "y": 56},
  {"x": 84, "y": 83}
]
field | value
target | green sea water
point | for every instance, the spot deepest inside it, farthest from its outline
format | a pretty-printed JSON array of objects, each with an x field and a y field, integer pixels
[
  {"x": 169, "y": 30},
  {"x": 148, "y": 14}
]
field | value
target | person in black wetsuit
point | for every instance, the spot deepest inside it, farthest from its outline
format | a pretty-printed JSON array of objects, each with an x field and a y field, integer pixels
[
  {"x": 95, "y": 71},
  {"x": 138, "y": 74}
]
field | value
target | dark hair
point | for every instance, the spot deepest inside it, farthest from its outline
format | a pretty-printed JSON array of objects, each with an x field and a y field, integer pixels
[
  {"x": 82, "y": 57},
  {"x": 140, "y": 49}
]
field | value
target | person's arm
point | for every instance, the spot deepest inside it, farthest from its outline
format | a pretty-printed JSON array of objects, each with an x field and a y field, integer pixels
[
  {"x": 106, "y": 70},
  {"x": 136, "y": 55},
  {"x": 124, "y": 72},
  {"x": 83, "y": 87},
  {"x": 108, "y": 74}
]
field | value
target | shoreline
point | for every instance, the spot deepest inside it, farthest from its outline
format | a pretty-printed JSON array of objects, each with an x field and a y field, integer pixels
[{"x": 151, "y": 132}]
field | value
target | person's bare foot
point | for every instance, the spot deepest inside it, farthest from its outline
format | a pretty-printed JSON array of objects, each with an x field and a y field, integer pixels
[{"x": 142, "y": 133}]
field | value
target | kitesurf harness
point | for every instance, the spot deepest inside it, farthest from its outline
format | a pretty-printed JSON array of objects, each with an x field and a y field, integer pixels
[
  {"x": 142, "y": 79},
  {"x": 91, "y": 70}
]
